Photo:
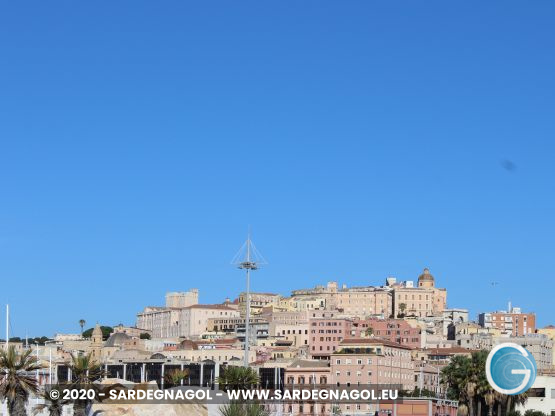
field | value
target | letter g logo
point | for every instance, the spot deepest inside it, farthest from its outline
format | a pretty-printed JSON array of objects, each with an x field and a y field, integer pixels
[{"x": 510, "y": 369}]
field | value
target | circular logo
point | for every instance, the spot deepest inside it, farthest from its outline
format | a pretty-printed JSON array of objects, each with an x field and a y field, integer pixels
[{"x": 510, "y": 369}]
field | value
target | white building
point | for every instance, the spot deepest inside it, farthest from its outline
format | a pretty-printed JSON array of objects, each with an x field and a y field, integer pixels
[
  {"x": 541, "y": 396},
  {"x": 162, "y": 322}
]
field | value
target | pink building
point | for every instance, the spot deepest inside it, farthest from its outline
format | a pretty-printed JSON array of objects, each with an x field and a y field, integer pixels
[
  {"x": 360, "y": 361},
  {"x": 326, "y": 334},
  {"x": 394, "y": 330}
]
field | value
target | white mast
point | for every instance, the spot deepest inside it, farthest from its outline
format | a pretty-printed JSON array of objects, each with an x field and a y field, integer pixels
[
  {"x": 248, "y": 258},
  {"x": 7, "y": 326}
]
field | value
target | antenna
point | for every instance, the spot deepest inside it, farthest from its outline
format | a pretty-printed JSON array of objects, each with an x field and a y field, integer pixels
[{"x": 248, "y": 258}]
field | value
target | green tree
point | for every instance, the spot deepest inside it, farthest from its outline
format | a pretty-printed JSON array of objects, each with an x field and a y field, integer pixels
[
  {"x": 106, "y": 332},
  {"x": 17, "y": 383},
  {"x": 402, "y": 309},
  {"x": 466, "y": 381},
  {"x": 144, "y": 335},
  {"x": 243, "y": 409},
  {"x": 236, "y": 378},
  {"x": 84, "y": 370},
  {"x": 174, "y": 378},
  {"x": 53, "y": 407},
  {"x": 82, "y": 323}
]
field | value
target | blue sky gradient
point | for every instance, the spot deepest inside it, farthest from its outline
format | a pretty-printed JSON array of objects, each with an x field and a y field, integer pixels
[{"x": 359, "y": 140}]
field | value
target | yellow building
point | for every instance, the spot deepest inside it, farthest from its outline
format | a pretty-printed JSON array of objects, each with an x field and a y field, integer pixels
[{"x": 550, "y": 332}]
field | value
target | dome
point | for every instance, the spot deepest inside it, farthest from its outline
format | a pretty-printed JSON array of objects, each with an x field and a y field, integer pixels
[
  {"x": 117, "y": 339},
  {"x": 426, "y": 279}
]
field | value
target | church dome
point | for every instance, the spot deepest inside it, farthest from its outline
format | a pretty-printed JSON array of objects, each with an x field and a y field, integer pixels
[
  {"x": 426, "y": 279},
  {"x": 117, "y": 339}
]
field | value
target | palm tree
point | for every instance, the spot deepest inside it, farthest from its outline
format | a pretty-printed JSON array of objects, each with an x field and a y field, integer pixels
[
  {"x": 82, "y": 323},
  {"x": 471, "y": 394},
  {"x": 489, "y": 397},
  {"x": 85, "y": 370},
  {"x": 402, "y": 308},
  {"x": 235, "y": 378},
  {"x": 243, "y": 409},
  {"x": 174, "y": 378},
  {"x": 17, "y": 379},
  {"x": 467, "y": 382},
  {"x": 53, "y": 407}
]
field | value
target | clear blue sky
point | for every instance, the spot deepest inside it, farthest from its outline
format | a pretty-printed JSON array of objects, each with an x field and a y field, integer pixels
[{"x": 359, "y": 140}]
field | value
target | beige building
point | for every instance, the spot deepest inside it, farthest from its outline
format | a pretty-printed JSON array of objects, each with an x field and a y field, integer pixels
[
  {"x": 182, "y": 299},
  {"x": 421, "y": 301},
  {"x": 307, "y": 303},
  {"x": 160, "y": 321},
  {"x": 163, "y": 322},
  {"x": 297, "y": 334},
  {"x": 229, "y": 324},
  {"x": 539, "y": 345},
  {"x": 219, "y": 355},
  {"x": 549, "y": 331},
  {"x": 193, "y": 320},
  {"x": 257, "y": 301},
  {"x": 363, "y": 302},
  {"x": 131, "y": 330}
]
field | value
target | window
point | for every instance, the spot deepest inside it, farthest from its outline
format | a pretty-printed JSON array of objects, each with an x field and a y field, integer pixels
[
  {"x": 536, "y": 392},
  {"x": 338, "y": 362}
]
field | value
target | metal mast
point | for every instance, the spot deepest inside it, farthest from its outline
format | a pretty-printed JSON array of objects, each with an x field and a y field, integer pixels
[
  {"x": 7, "y": 326},
  {"x": 248, "y": 258}
]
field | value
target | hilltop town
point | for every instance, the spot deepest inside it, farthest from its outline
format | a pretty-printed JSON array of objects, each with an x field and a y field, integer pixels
[{"x": 400, "y": 333}]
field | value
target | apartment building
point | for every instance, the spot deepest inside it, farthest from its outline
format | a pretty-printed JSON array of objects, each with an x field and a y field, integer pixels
[
  {"x": 326, "y": 334},
  {"x": 511, "y": 322},
  {"x": 360, "y": 361},
  {"x": 296, "y": 334},
  {"x": 539, "y": 345},
  {"x": 257, "y": 301},
  {"x": 394, "y": 330}
]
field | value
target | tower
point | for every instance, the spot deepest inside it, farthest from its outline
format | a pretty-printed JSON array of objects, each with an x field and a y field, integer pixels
[
  {"x": 96, "y": 342},
  {"x": 248, "y": 258}
]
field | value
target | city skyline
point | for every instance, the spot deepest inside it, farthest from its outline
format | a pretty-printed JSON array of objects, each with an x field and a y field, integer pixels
[{"x": 473, "y": 315}]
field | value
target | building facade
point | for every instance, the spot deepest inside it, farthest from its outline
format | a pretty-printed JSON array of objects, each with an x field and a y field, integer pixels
[{"x": 512, "y": 322}]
